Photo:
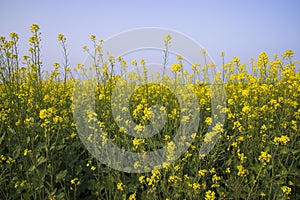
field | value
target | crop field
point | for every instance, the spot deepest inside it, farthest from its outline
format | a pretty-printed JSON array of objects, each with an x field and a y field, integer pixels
[{"x": 255, "y": 152}]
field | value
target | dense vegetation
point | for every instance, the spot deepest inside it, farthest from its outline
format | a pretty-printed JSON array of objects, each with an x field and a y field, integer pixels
[{"x": 42, "y": 156}]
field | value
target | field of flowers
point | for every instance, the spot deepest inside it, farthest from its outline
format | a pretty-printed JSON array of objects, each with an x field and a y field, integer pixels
[{"x": 42, "y": 157}]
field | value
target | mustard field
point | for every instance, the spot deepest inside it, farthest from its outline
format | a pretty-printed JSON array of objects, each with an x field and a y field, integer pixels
[{"x": 255, "y": 148}]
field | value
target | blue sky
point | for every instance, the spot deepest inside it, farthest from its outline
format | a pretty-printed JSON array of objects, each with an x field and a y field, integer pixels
[{"x": 239, "y": 28}]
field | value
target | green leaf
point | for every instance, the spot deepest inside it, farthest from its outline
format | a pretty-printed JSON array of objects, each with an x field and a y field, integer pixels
[
  {"x": 41, "y": 160},
  {"x": 16, "y": 153},
  {"x": 267, "y": 149},
  {"x": 61, "y": 195},
  {"x": 295, "y": 151},
  {"x": 52, "y": 147},
  {"x": 61, "y": 175},
  {"x": 255, "y": 167},
  {"x": 284, "y": 150},
  {"x": 31, "y": 168},
  {"x": 28, "y": 140},
  {"x": 2, "y": 137},
  {"x": 59, "y": 147},
  {"x": 38, "y": 182}
]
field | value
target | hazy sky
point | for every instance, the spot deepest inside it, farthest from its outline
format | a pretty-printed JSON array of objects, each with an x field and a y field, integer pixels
[{"x": 239, "y": 28}]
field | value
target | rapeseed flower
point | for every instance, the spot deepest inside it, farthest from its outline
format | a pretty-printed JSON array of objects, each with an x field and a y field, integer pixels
[
  {"x": 120, "y": 186},
  {"x": 282, "y": 140},
  {"x": 264, "y": 157},
  {"x": 210, "y": 195},
  {"x": 132, "y": 196},
  {"x": 286, "y": 190},
  {"x": 241, "y": 171}
]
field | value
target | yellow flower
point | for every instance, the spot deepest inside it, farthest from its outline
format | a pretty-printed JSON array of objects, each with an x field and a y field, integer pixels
[
  {"x": 43, "y": 113},
  {"x": 262, "y": 194},
  {"x": 57, "y": 119},
  {"x": 193, "y": 136},
  {"x": 60, "y": 37},
  {"x": 137, "y": 142},
  {"x": 210, "y": 195},
  {"x": 234, "y": 144},
  {"x": 263, "y": 128},
  {"x": 186, "y": 176},
  {"x": 132, "y": 196},
  {"x": 228, "y": 170},
  {"x": 242, "y": 171},
  {"x": 240, "y": 138},
  {"x": 241, "y": 156},
  {"x": 120, "y": 186},
  {"x": 2, "y": 39},
  {"x": 202, "y": 172},
  {"x": 246, "y": 109},
  {"x": 136, "y": 165},
  {"x": 28, "y": 120},
  {"x": 79, "y": 65},
  {"x": 179, "y": 57},
  {"x": 185, "y": 119},
  {"x": 18, "y": 123},
  {"x": 177, "y": 67},
  {"x": 142, "y": 179},
  {"x": 171, "y": 147},
  {"x": 26, "y": 151},
  {"x": 88, "y": 163},
  {"x": 75, "y": 181},
  {"x": 22, "y": 184},
  {"x": 14, "y": 36},
  {"x": 9, "y": 160},
  {"x": 123, "y": 63},
  {"x": 34, "y": 27},
  {"x": 92, "y": 37},
  {"x": 245, "y": 93},
  {"x": 236, "y": 59},
  {"x": 154, "y": 179},
  {"x": 208, "y": 120},
  {"x": 139, "y": 128},
  {"x": 93, "y": 168},
  {"x": 294, "y": 125},
  {"x": 176, "y": 168},
  {"x": 210, "y": 135},
  {"x": 73, "y": 135},
  {"x": 264, "y": 157},
  {"x": 174, "y": 179},
  {"x": 287, "y": 190},
  {"x": 2, "y": 157},
  {"x": 168, "y": 38},
  {"x": 134, "y": 63},
  {"x": 196, "y": 186},
  {"x": 212, "y": 170},
  {"x": 288, "y": 53},
  {"x": 215, "y": 178},
  {"x": 281, "y": 140},
  {"x": 167, "y": 137},
  {"x": 230, "y": 101}
]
